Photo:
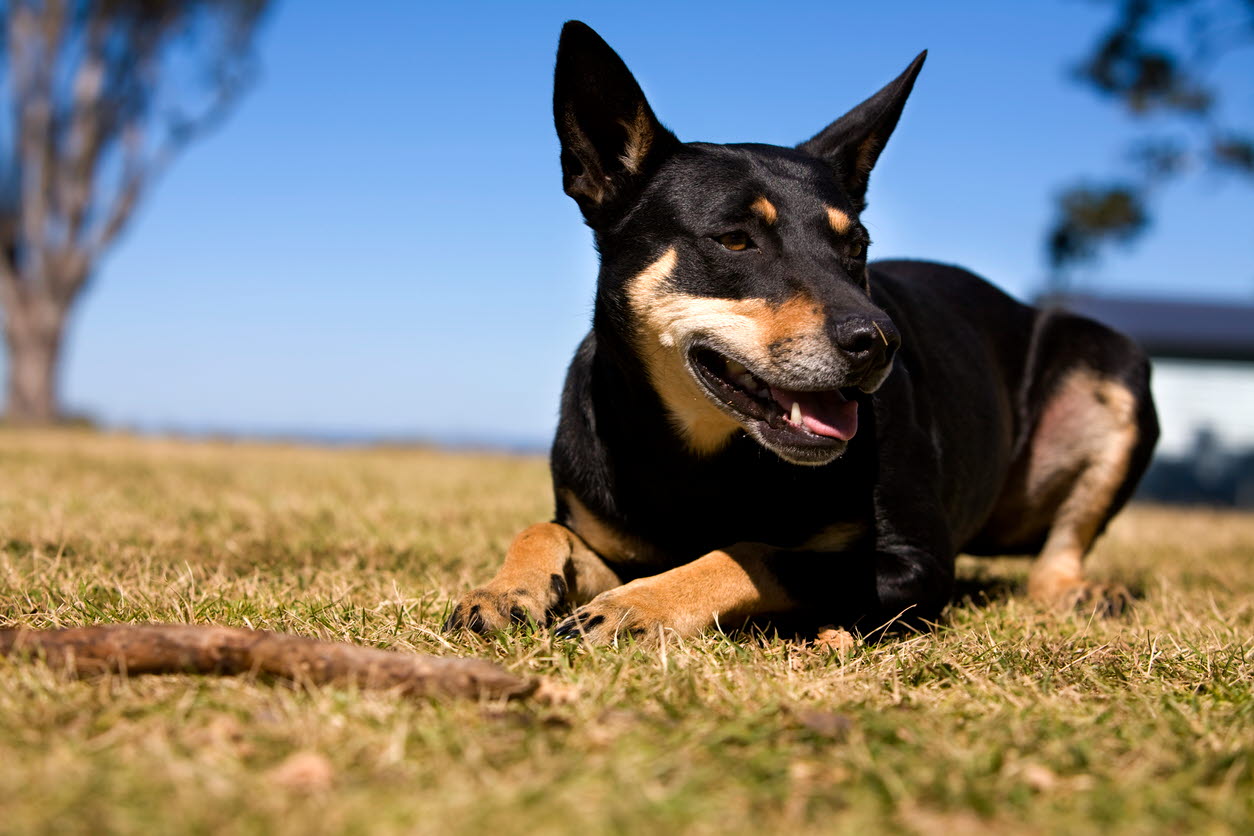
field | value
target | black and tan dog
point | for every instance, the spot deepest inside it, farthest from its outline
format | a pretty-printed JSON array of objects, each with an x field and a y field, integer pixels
[{"x": 762, "y": 423}]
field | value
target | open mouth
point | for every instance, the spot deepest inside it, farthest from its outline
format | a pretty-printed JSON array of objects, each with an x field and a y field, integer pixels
[{"x": 781, "y": 416}]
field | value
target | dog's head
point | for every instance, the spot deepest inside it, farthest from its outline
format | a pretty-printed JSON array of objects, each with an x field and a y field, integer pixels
[{"x": 736, "y": 273}]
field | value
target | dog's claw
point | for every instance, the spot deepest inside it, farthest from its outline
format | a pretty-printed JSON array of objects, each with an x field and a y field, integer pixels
[
  {"x": 577, "y": 626},
  {"x": 482, "y": 611},
  {"x": 460, "y": 619},
  {"x": 1104, "y": 600},
  {"x": 1089, "y": 598}
]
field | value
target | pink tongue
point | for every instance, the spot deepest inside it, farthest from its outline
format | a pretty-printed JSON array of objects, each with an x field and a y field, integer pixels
[{"x": 822, "y": 413}]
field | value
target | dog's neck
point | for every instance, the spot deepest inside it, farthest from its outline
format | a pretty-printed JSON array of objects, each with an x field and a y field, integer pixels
[{"x": 628, "y": 407}]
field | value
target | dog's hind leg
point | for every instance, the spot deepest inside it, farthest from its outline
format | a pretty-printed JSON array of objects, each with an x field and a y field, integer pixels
[
  {"x": 1090, "y": 428},
  {"x": 547, "y": 567},
  {"x": 1090, "y": 445},
  {"x": 1083, "y": 444}
]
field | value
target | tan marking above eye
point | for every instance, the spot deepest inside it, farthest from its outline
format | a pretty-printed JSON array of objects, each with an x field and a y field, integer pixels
[
  {"x": 764, "y": 209},
  {"x": 840, "y": 221},
  {"x": 735, "y": 241}
]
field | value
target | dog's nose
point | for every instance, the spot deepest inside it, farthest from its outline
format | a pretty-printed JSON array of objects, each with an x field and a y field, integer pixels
[{"x": 867, "y": 341}]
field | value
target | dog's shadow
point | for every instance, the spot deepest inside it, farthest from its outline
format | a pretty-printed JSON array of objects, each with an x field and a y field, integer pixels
[
  {"x": 979, "y": 587},
  {"x": 982, "y": 591},
  {"x": 975, "y": 588},
  {"x": 974, "y": 591}
]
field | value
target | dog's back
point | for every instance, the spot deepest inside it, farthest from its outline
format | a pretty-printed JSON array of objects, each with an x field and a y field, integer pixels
[{"x": 1070, "y": 392}]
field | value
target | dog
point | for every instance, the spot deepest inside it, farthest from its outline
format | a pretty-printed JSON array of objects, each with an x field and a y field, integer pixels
[{"x": 761, "y": 424}]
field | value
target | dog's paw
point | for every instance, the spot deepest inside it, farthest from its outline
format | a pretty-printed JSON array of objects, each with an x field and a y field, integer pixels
[
  {"x": 487, "y": 609},
  {"x": 1087, "y": 597},
  {"x": 632, "y": 610},
  {"x": 607, "y": 623},
  {"x": 1103, "y": 599}
]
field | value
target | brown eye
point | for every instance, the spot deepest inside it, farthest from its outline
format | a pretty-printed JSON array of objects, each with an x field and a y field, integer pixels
[
  {"x": 855, "y": 250},
  {"x": 735, "y": 241}
]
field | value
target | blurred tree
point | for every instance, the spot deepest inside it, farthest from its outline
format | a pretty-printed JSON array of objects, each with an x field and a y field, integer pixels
[
  {"x": 101, "y": 94},
  {"x": 1154, "y": 60}
]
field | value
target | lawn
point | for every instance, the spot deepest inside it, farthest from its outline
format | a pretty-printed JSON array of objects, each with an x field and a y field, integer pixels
[{"x": 1005, "y": 719}]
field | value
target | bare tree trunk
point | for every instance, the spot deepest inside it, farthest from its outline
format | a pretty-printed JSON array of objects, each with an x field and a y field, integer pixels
[{"x": 33, "y": 327}]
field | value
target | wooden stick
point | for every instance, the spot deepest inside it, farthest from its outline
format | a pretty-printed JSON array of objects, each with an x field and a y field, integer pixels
[{"x": 227, "y": 651}]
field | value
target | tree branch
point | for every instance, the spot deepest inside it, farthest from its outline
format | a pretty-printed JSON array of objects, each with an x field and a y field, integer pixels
[
  {"x": 142, "y": 166},
  {"x": 228, "y": 651},
  {"x": 86, "y": 134},
  {"x": 34, "y": 39}
]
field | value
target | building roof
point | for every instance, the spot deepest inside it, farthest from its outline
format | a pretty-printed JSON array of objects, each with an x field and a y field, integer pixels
[{"x": 1171, "y": 328}]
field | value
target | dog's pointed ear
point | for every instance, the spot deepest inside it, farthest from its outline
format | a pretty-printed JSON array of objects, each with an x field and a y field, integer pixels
[
  {"x": 852, "y": 143},
  {"x": 611, "y": 141}
]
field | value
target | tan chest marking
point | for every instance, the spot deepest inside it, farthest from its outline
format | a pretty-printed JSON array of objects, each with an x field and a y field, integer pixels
[
  {"x": 836, "y": 537},
  {"x": 603, "y": 538}
]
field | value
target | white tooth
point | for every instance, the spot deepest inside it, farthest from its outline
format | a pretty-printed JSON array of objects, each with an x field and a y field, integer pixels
[
  {"x": 735, "y": 369},
  {"x": 796, "y": 413}
]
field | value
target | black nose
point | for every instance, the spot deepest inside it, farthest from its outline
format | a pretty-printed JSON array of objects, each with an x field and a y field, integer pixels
[{"x": 869, "y": 342}]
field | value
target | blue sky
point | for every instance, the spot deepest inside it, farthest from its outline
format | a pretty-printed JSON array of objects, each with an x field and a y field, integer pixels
[{"x": 376, "y": 242}]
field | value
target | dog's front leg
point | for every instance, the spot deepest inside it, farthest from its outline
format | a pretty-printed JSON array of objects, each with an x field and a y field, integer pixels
[
  {"x": 723, "y": 587},
  {"x": 912, "y": 586},
  {"x": 547, "y": 567}
]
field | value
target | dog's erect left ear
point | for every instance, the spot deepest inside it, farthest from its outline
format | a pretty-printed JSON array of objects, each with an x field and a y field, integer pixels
[
  {"x": 611, "y": 141},
  {"x": 852, "y": 143}
]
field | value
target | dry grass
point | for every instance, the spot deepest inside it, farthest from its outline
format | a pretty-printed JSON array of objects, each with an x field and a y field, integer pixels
[{"x": 1007, "y": 719}]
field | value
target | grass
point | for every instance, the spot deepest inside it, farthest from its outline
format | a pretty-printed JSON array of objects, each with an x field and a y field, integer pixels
[{"x": 1007, "y": 719}]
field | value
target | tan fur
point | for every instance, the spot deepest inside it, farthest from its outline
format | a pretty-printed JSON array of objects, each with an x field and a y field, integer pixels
[
  {"x": 840, "y": 221},
  {"x": 525, "y": 580},
  {"x": 537, "y": 553},
  {"x": 667, "y": 320},
  {"x": 836, "y": 537},
  {"x": 603, "y": 538},
  {"x": 639, "y": 141},
  {"x": 764, "y": 209},
  {"x": 723, "y": 587},
  {"x": 867, "y": 152},
  {"x": 590, "y": 186},
  {"x": 1079, "y": 457}
]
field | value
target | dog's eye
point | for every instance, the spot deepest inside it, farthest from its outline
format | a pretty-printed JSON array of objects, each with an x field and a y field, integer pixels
[
  {"x": 735, "y": 241},
  {"x": 855, "y": 249}
]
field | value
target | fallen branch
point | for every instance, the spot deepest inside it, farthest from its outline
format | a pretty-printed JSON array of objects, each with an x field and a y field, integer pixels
[{"x": 228, "y": 651}]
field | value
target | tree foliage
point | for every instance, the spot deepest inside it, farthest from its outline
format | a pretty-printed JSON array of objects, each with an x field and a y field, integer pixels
[
  {"x": 101, "y": 94},
  {"x": 1156, "y": 59}
]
